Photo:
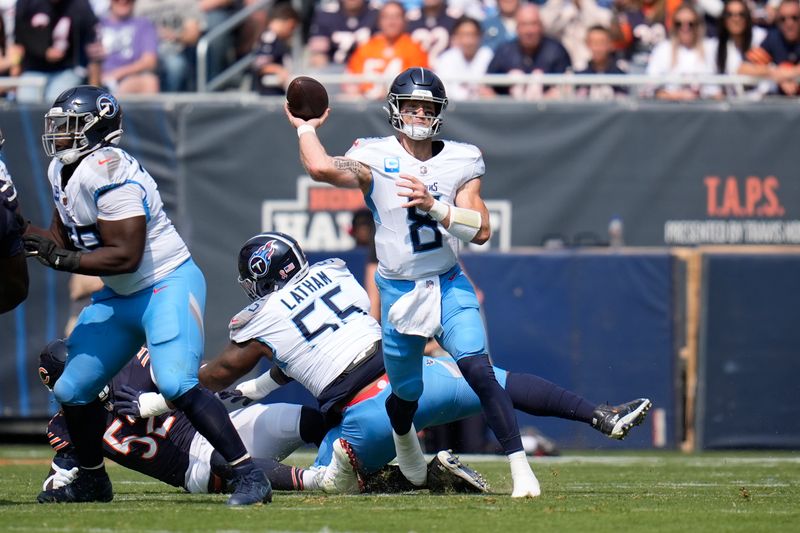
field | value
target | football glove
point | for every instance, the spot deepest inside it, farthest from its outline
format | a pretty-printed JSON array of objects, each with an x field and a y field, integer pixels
[
  {"x": 131, "y": 402},
  {"x": 234, "y": 396},
  {"x": 251, "y": 390},
  {"x": 50, "y": 254}
]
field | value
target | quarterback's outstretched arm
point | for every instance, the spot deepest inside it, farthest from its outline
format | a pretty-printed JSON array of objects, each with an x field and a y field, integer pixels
[{"x": 338, "y": 171}]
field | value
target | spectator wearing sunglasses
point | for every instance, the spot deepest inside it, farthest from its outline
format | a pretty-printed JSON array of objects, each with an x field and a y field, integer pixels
[
  {"x": 683, "y": 53},
  {"x": 736, "y": 35},
  {"x": 778, "y": 56}
]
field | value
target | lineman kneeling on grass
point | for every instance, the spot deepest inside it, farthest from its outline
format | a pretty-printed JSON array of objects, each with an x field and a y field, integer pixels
[{"x": 169, "y": 449}]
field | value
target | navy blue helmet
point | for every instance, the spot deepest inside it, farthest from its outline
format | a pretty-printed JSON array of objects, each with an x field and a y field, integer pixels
[
  {"x": 268, "y": 261},
  {"x": 417, "y": 83},
  {"x": 81, "y": 120},
  {"x": 51, "y": 362}
]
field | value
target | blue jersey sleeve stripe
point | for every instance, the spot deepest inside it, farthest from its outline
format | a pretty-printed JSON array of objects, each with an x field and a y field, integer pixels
[{"x": 371, "y": 203}]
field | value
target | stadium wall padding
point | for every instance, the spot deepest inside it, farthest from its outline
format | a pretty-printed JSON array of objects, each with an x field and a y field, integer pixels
[
  {"x": 749, "y": 356},
  {"x": 674, "y": 173}
]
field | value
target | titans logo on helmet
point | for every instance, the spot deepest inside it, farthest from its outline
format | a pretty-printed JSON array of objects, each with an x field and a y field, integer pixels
[
  {"x": 260, "y": 260},
  {"x": 107, "y": 105}
]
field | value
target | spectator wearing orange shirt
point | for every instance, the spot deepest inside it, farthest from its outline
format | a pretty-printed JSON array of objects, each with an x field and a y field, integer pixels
[{"x": 389, "y": 52}]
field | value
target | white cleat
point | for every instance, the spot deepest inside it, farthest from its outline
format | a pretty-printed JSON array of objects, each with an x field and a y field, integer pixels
[
  {"x": 409, "y": 457},
  {"x": 526, "y": 488},
  {"x": 340, "y": 476}
]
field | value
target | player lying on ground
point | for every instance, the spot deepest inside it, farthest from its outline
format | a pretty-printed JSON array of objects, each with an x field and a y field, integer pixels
[
  {"x": 168, "y": 448},
  {"x": 362, "y": 443}
]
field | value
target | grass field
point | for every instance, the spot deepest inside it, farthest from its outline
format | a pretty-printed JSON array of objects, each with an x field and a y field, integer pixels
[{"x": 592, "y": 492}]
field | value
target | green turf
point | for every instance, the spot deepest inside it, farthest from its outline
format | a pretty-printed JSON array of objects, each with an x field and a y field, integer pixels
[{"x": 581, "y": 492}]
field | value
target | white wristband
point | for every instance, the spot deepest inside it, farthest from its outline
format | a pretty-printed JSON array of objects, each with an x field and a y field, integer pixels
[
  {"x": 305, "y": 128},
  {"x": 257, "y": 388},
  {"x": 152, "y": 404},
  {"x": 439, "y": 211},
  {"x": 464, "y": 223}
]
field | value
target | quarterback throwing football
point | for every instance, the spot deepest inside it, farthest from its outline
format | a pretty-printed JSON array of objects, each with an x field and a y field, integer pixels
[{"x": 425, "y": 197}]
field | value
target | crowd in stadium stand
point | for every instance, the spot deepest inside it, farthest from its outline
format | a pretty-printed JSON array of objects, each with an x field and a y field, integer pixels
[{"x": 149, "y": 46}]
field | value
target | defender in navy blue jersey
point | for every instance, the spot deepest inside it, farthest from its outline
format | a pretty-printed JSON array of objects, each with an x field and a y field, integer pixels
[
  {"x": 13, "y": 268},
  {"x": 167, "y": 447}
]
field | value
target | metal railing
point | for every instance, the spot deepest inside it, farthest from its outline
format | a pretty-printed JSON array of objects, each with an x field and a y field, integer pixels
[
  {"x": 242, "y": 64},
  {"x": 641, "y": 85},
  {"x": 38, "y": 83}
]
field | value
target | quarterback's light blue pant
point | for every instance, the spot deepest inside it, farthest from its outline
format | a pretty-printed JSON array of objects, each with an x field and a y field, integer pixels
[
  {"x": 365, "y": 425},
  {"x": 463, "y": 332},
  {"x": 167, "y": 316}
]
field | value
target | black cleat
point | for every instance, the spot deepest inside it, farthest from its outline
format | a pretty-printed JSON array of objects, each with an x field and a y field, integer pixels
[
  {"x": 616, "y": 421},
  {"x": 250, "y": 486},
  {"x": 89, "y": 486},
  {"x": 447, "y": 474}
]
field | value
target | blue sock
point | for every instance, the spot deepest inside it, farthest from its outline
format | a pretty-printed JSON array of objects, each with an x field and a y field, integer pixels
[
  {"x": 537, "y": 396},
  {"x": 210, "y": 418},
  {"x": 401, "y": 413},
  {"x": 312, "y": 426},
  {"x": 86, "y": 425},
  {"x": 280, "y": 476},
  {"x": 496, "y": 403}
]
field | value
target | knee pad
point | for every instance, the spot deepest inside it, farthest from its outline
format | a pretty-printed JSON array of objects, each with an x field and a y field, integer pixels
[
  {"x": 478, "y": 372},
  {"x": 172, "y": 379},
  {"x": 67, "y": 393}
]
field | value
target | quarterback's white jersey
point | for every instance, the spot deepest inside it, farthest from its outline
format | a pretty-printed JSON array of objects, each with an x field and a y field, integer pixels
[
  {"x": 409, "y": 243},
  {"x": 315, "y": 326},
  {"x": 109, "y": 184}
]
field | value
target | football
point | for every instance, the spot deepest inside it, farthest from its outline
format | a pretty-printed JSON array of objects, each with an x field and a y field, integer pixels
[{"x": 307, "y": 98}]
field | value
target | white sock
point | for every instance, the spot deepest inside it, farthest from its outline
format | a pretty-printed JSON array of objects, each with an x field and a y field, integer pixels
[
  {"x": 409, "y": 457},
  {"x": 309, "y": 480},
  {"x": 525, "y": 482},
  {"x": 519, "y": 464}
]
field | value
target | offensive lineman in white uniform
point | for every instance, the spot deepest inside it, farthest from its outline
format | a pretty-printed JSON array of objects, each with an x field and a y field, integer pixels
[
  {"x": 425, "y": 197},
  {"x": 109, "y": 221},
  {"x": 295, "y": 311}
]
